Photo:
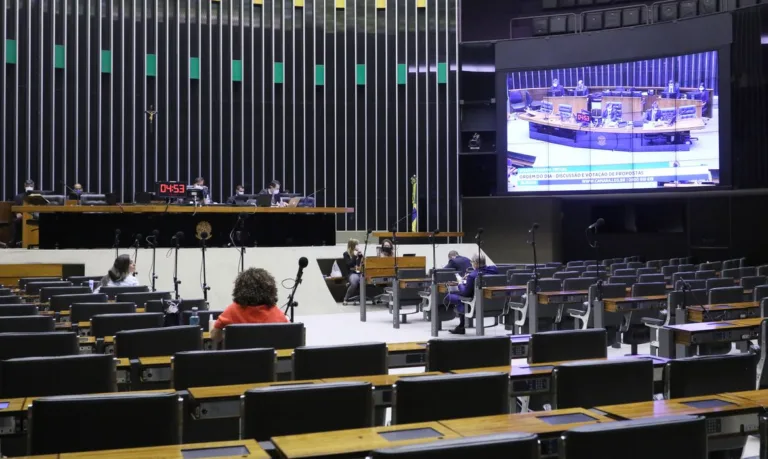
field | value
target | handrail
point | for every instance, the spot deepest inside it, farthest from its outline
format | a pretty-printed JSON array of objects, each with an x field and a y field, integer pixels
[{"x": 577, "y": 28}]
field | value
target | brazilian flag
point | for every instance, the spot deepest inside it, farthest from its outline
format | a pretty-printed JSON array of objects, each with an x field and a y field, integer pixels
[{"x": 415, "y": 202}]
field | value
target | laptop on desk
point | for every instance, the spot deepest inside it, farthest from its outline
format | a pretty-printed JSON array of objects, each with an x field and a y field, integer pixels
[{"x": 264, "y": 200}]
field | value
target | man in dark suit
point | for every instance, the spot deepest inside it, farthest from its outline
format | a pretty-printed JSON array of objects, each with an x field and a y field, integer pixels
[
  {"x": 467, "y": 289},
  {"x": 18, "y": 200},
  {"x": 672, "y": 91},
  {"x": 556, "y": 89},
  {"x": 457, "y": 262},
  {"x": 654, "y": 114},
  {"x": 239, "y": 191},
  {"x": 273, "y": 190}
]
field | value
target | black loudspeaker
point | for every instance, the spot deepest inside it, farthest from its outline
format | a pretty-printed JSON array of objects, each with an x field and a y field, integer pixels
[
  {"x": 548, "y": 4},
  {"x": 668, "y": 12},
  {"x": 593, "y": 21},
  {"x": 540, "y": 26},
  {"x": 566, "y": 3},
  {"x": 707, "y": 6},
  {"x": 688, "y": 9},
  {"x": 558, "y": 24},
  {"x": 630, "y": 16},
  {"x": 477, "y": 175},
  {"x": 612, "y": 19}
]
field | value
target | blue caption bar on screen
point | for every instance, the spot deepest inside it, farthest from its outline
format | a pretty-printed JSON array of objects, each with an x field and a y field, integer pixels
[
  {"x": 600, "y": 167},
  {"x": 597, "y": 181}
]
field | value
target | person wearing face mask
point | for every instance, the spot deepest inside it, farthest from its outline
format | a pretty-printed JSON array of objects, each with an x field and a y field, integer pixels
[
  {"x": 387, "y": 248},
  {"x": 239, "y": 191},
  {"x": 556, "y": 89},
  {"x": 704, "y": 96},
  {"x": 18, "y": 200},
  {"x": 672, "y": 91},
  {"x": 274, "y": 190}
]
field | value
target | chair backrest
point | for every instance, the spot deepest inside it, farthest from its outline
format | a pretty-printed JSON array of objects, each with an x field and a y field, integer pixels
[
  {"x": 591, "y": 384},
  {"x": 277, "y": 336},
  {"x": 656, "y": 264},
  {"x": 305, "y": 408},
  {"x": 726, "y": 295},
  {"x": 26, "y": 324},
  {"x": 423, "y": 398},
  {"x": 141, "y": 298},
  {"x": 546, "y": 272},
  {"x": 188, "y": 304},
  {"x": 319, "y": 362},
  {"x": 82, "y": 312},
  {"x": 692, "y": 377},
  {"x": 83, "y": 280},
  {"x": 446, "y": 355},
  {"x": 582, "y": 283},
  {"x": 648, "y": 270},
  {"x": 720, "y": 282},
  {"x": 612, "y": 290},
  {"x": 734, "y": 273},
  {"x": 697, "y": 284},
  {"x": 635, "y": 264},
  {"x": 562, "y": 275},
  {"x": 711, "y": 266},
  {"x": 647, "y": 278},
  {"x": 750, "y": 282},
  {"x": 686, "y": 268},
  {"x": 682, "y": 436},
  {"x": 65, "y": 375},
  {"x": 562, "y": 345},
  {"x": 548, "y": 285},
  {"x": 10, "y": 299},
  {"x": 446, "y": 276},
  {"x": 554, "y": 264},
  {"x": 649, "y": 288},
  {"x": 109, "y": 324},
  {"x": 33, "y": 288},
  {"x": 759, "y": 292},
  {"x": 626, "y": 280},
  {"x": 63, "y": 302},
  {"x": 220, "y": 368},
  {"x": 762, "y": 270},
  {"x": 574, "y": 263},
  {"x": 688, "y": 275},
  {"x": 692, "y": 297},
  {"x": 578, "y": 269},
  {"x": 732, "y": 264},
  {"x": 152, "y": 342},
  {"x": 27, "y": 280},
  {"x": 7, "y": 310},
  {"x": 625, "y": 272},
  {"x": 498, "y": 446},
  {"x": 5, "y": 291},
  {"x": 112, "y": 292},
  {"x": 705, "y": 274},
  {"x": 668, "y": 270},
  {"x": 47, "y": 292},
  {"x": 18, "y": 345},
  {"x": 57, "y": 423},
  {"x": 617, "y": 266}
]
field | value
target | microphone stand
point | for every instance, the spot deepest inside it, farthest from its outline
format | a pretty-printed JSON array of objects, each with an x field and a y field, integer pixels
[
  {"x": 176, "y": 280},
  {"x": 136, "y": 245},
  {"x": 203, "y": 236},
  {"x": 535, "y": 262},
  {"x": 432, "y": 236},
  {"x": 292, "y": 304},
  {"x": 242, "y": 251},
  {"x": 153, "y": 244},
  {"x": 117, "y": 243}
]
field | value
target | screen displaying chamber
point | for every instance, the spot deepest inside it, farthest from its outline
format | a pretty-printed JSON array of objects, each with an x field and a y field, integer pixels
[{"x": 628, "y": 125}]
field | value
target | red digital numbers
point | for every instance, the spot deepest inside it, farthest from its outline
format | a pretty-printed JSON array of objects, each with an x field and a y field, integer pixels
[{"x": 171, "y": 189}]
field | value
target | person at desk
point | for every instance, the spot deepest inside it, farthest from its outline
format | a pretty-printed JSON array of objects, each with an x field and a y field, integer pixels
[
  {"x": 18, "y": 220},
  {"x": 580, "y": 89},
  {"x": 704, "y": 96},
  {"x": 556, "y": 89},
  {"x": 654, "y": 114},
  {"x": 199, "y": 184},
  {"x": 459, "y": 263},
  {"x": 121, "y": 274},
  {"x": 672, "y": 91},
  {"x": 254, "y": 301},
  {"x": 353, "y": 258},
  {"x": 239, "y": 191},
  {"x": 467, "y": 289},
  {"x": 274, "y": 190},
  {"x": 387, "y": 248},
  {"x": 610, "y": 116}
]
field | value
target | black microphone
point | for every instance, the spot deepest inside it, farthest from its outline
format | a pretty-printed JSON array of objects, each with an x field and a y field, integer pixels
[
  {"x": 117, "y": 237},
  {"x": 178, "y": 236},
  {"x": 311, "y": 194},
  {"x": 397, "y": 223},
  {"x": 203, "y": 236},
  {"x": 137, "y": 240},
  {"x": 534, "y": 227},
  {"x": 600, "y": 222},
  {"x": 479, "y": 233},
  {"x": 435, "y": 232},
  {"x": 368, "y": 231},
  {"x": 303, "y": 263}
]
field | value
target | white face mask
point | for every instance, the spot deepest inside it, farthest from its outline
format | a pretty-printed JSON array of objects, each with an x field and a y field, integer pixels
[
  {"x": 28, "y": 188},
  {"x": 701, "y": 88},
  {"x": 554, "y": 84},
  {"x": 240, "y": 192}
]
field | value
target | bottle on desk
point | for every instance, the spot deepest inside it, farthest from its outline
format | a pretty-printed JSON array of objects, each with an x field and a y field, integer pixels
[{"x": 194, "y": 319}]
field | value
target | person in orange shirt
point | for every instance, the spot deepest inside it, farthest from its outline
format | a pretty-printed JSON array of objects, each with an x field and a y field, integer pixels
[{"x": 254, "y": 300}]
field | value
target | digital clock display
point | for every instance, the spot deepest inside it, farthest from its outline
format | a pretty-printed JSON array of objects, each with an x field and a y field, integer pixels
[{"x": 170, "y": 189}]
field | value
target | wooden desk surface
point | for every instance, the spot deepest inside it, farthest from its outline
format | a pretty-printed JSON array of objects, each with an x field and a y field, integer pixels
[
  {"x": 759, "y": 397},
  {"x": 406, "y": 347},
  {"x": 353, "y": 441},
  {"x": 160, "y": 360},
  {"x": 404, "y": 282},
  {"x": 531, "y": 369},
  {"x": 632, "y": 299},
  {"x": 506, "y": 289},
  {"x": 708, "y": 326},
  {"x": 723, "y": 307},
  {"x": 236, "y": 390},
  {"x": 14, "y": 405},
  {"x": 676, "y": 407},
  {"x": 28, "y": 401},
  {"x": 521, "y": 422},
  {"x": 170, "y": 452},
  {"x": 123, "y": 362},
  {"x": 380, "y": 380},
  {"x": 417, "y": 234},
  {"x": 133, "y": 209},
  {"x": 554, "y": 121},
  {"x": 563, "y": 293}
]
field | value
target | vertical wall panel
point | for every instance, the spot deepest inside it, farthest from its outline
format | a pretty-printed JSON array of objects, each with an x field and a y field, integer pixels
[{"x": 74, "y": 104}]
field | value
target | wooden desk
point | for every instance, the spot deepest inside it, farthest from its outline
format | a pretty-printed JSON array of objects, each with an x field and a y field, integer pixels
[
  {"x": 521, "y": 422},
  {"x": 12, "y": 418},
  {"x": 29, "y": 400},
  {"x": 161, "y": 209},
  {"x": 628, "y": 304},
  {"x": 759, "y": 397},
  {"x": 346, "y": 442},
  {"x": 405, "y": 355},
  {"x": 554, "y": 121},
  {"x": 564, "y": 297},
  {"x": 384, "y": 267},
  {"x": 171, "y": 451},
  {"x": 694, "y": 334},
  {"x": 504, "y": 291},
  {"x": 720, "y": 312},
  {"x": 420, "y": 283},
  {"x": 382, "y": 384},
  {"x": 577, "y": 103}
]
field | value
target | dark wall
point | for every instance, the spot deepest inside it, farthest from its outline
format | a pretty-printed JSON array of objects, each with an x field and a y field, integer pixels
[{"x": 350, "y": 126}]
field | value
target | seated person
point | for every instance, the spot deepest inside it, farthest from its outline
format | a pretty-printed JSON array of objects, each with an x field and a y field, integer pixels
[
  {"x": 654, "y": 114},
  {"x": 704, "y": 96},
  {"x": 457, "y": 262},
  {"x": 387, "y": 248},
  {"x": 122, "y": 274},
  {"x": 353, "y": 258},
  {"x": 467, "y": 289},
  {"x": 556, "y": 89},
  {"x": 580, "y": 89},
  {"x": 254, "y": 301},
  {"x": 18, "y": 200},
  {"x": 274, "y": 190},
  {"x": 610, "y": 116},
  {"x": 199, "y": 183},
  {"x": 672, "y": 91},
  {"x": 239, "y": 191}
]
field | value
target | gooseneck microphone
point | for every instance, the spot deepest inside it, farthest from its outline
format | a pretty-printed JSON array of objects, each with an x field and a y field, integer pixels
[
  {"x": 479, "y": 233},
  {"x": 600, "y": 222},
  {"x": 117, "y": 242},
  {"x": 534, "y": 227},
  {"x": 303, "y": 263}
]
